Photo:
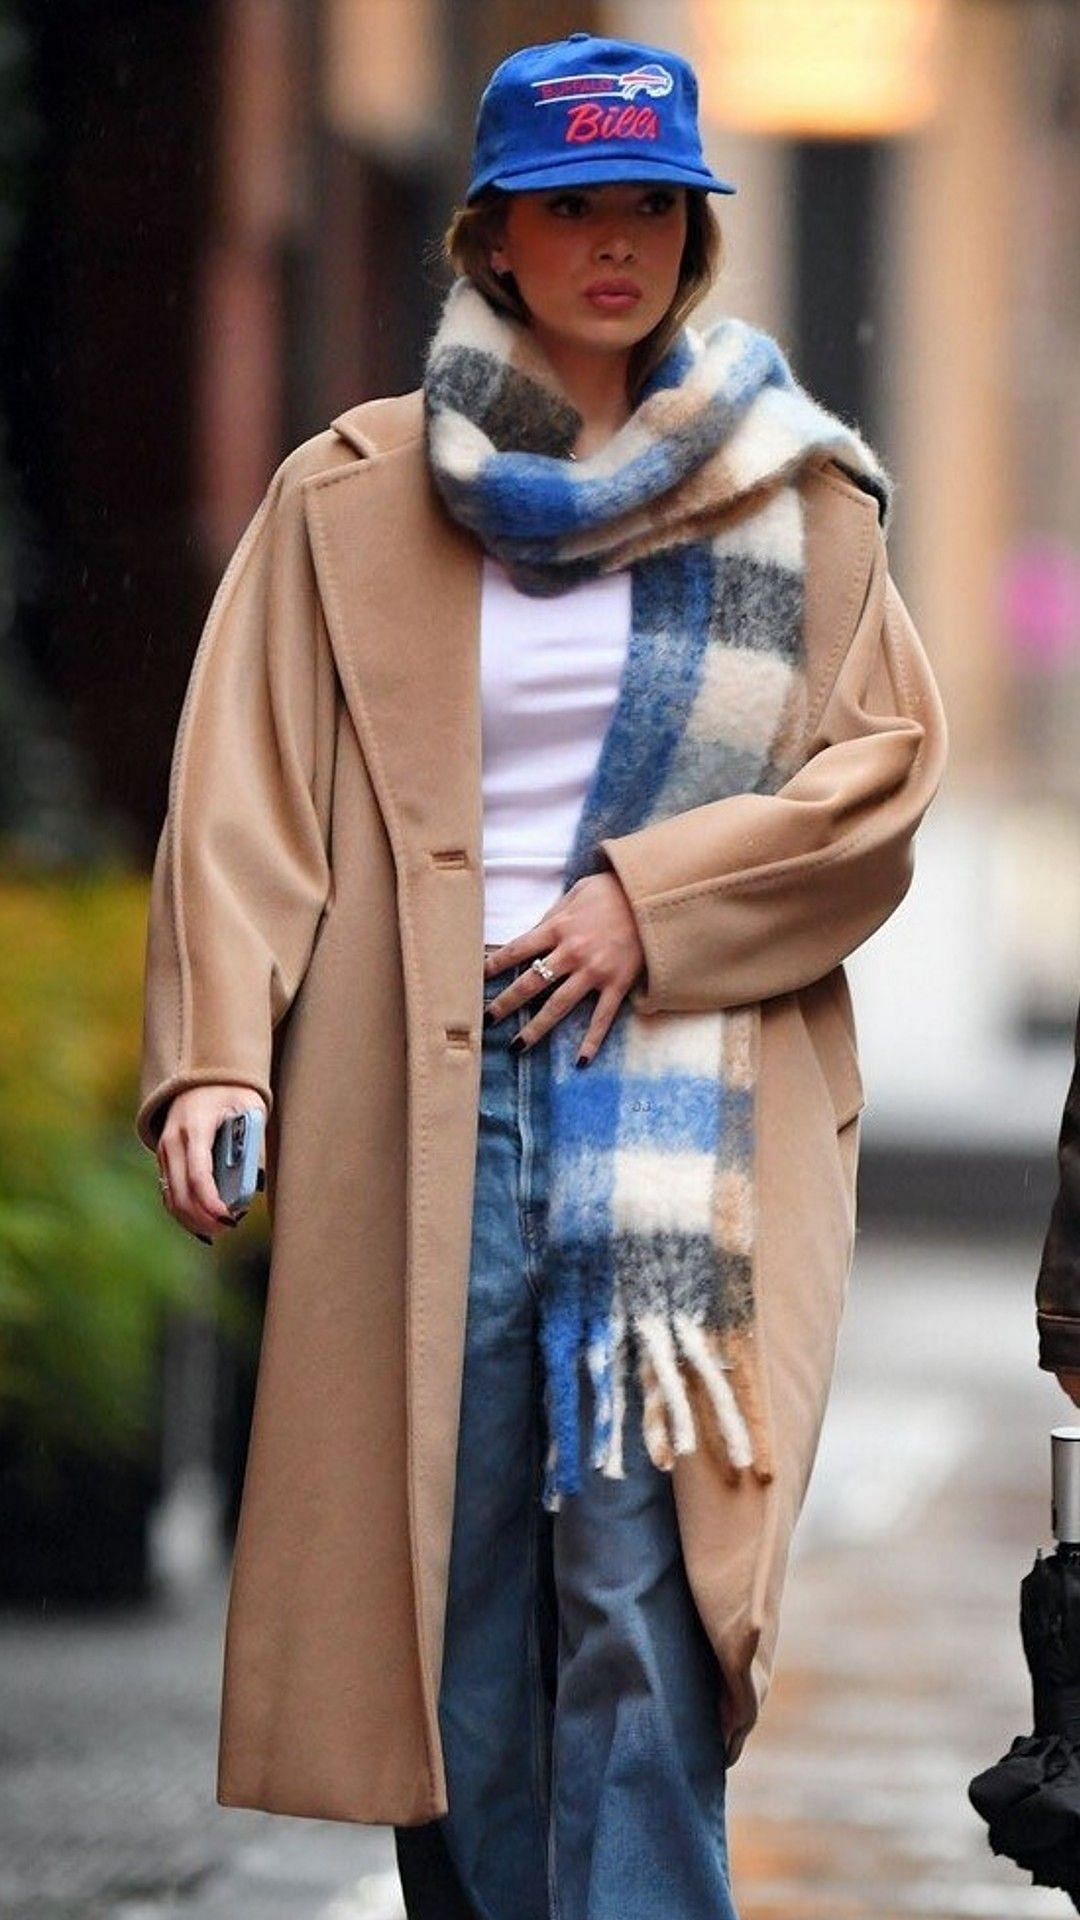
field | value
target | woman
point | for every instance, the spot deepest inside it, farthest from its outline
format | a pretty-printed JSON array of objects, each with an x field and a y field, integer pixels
[{"x": 573, "y": 692}]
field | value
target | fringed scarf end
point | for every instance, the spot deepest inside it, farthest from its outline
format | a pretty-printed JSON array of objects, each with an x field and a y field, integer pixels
[{"x": 698, "y": 1389}]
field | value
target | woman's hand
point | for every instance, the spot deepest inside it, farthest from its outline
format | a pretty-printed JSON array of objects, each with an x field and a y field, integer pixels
[
  {"x": 1070, "y": 1384},
  {"x": 185, "y": 1155},
  {"x": 590, "y": 936}
]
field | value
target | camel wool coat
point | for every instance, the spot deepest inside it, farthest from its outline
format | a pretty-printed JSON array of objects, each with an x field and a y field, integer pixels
[{"x": 316, "y": 932}]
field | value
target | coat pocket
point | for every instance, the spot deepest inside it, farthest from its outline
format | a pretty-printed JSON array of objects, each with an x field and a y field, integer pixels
[{"x": 830, "y": 1022}]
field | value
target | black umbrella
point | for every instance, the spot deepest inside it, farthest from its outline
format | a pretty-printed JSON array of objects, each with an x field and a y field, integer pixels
[{"x": 1031, "y": 1799}]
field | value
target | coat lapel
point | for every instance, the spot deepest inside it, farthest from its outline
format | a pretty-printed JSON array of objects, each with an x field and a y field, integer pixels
[{"x": 400, "y": 586}]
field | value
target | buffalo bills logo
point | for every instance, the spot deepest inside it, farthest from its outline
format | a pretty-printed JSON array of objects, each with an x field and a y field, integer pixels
[
  {"x": 627, "y": 120},
  {"x": 652, "y": 79}
]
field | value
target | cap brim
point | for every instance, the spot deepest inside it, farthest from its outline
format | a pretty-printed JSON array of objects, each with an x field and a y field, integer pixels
[{"x": 595, "y": 172}]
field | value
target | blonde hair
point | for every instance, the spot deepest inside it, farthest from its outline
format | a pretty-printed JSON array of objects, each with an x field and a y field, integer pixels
[{"x": 475, "y": 229}]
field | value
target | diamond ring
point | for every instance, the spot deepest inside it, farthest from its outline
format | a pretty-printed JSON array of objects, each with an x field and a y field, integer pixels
[
  {"x": 546, "y": 973},
  {"x": 163, "y": 1182}
]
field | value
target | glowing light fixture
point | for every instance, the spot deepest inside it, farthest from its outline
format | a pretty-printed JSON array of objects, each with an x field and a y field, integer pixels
[{"x": 828, "y": 68}]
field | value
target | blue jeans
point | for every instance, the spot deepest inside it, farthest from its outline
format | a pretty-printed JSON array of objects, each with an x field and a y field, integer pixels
[{"x": 579, "y": 1700}]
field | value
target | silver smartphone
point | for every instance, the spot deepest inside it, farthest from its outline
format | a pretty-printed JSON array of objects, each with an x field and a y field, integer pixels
[{"x": 237, "y": 1151}]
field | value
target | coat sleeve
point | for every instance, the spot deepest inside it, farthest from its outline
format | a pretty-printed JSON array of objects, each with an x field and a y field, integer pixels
[
  {"x": 1057, "y": 1290},
  {"x": 760, "y": 894},
  {"x": 241, "y": 873}
]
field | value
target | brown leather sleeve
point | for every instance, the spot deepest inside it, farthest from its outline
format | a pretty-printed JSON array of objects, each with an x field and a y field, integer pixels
[
  {"x": 1057, "y": 1290},
  {"x": 241, "y": 872},
  {"x": 761, "y": 894}
]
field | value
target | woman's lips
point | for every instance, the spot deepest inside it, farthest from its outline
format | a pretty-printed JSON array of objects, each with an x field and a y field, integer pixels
[{"x": 613, "y": 296}]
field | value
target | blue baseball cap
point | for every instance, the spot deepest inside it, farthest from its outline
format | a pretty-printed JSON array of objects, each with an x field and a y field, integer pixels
[{"x": 582, "y": 111}]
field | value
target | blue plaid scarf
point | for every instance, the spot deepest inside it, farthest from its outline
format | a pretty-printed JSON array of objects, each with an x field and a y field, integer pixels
[{"x": 651, "y": 1227}]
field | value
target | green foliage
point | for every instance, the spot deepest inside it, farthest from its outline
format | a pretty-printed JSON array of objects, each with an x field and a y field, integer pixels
[{"x": 90, "y": 1263}]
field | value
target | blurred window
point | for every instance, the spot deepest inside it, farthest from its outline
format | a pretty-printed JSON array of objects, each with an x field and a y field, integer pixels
[{"x": 380, "y": 72}]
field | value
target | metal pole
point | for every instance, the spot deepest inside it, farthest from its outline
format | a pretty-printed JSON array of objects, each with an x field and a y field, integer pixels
[
  {"x": 837, "y": 290},
  {"x": 1065, "y": 1457}
]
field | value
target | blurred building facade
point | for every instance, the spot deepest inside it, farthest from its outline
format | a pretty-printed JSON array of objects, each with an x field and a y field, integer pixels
[{"x": 229, "y": 231}]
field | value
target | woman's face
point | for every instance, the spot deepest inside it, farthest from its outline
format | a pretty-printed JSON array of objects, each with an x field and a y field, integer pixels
[{"x": 596, "y": 266}]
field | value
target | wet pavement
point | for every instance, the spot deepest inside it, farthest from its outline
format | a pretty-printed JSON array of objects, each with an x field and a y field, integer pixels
[
  {"x": 899, "y": 1674},
  {"x": 108, "y": 1735}
]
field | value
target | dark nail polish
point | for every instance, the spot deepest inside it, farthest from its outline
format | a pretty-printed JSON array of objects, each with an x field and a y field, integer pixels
[
  {"x": 582, "y": 1060},
  {"x": 517, "y": 1044},
  {"x": 205, "y": 1238},
  {"x": 489, "y": 1017}
]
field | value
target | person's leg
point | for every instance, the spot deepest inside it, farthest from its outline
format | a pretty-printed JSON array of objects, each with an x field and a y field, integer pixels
[
  {"x": 488, "y": 1857},
  {"x": 638, "y": 1782},
  {"x": 429, "y": 1883}
]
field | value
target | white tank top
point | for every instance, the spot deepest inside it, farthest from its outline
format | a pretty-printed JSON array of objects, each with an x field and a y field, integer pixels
[{"x": 549, "y": 673}]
